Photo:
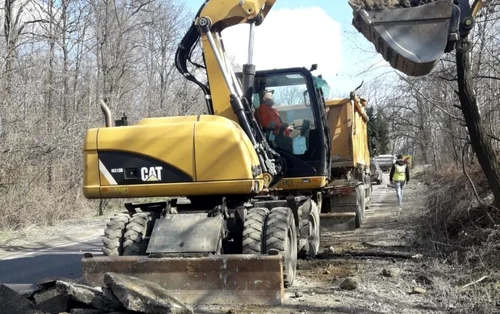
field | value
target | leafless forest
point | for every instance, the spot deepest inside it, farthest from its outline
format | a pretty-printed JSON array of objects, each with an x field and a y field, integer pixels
[
  {"x": 60, "y": 57},
  {"x": 450, "y": 122}
]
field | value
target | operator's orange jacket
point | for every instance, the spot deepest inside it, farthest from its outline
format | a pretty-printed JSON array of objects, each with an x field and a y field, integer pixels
[{"x": 265, "y": 115}]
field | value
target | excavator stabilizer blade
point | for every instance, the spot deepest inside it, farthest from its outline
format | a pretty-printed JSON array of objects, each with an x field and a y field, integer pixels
[
  {"x": 411, "y": 39},
  {"x": 218, "y": 279}
]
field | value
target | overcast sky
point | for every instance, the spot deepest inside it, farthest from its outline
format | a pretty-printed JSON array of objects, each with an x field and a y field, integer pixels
[{"x": 300, "y": 33}]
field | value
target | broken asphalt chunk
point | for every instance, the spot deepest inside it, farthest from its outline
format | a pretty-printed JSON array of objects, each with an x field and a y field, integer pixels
[
  {"x": 88, "y": 295},
  {"x": 12, "y": 302},
  {"x": 143, "y": 296},
  {"x": 50, "y": 301}
]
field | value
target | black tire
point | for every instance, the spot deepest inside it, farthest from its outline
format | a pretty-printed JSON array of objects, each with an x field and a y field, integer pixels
[
  {"x": 281, "y": 235},
  {"x": 137, "y": 232},
  {"x": 360, "y": 208},
  {"x": 112, "y": 240},
  {"x": 254, "y": 231},
  {"x": 311, "y": 247}
]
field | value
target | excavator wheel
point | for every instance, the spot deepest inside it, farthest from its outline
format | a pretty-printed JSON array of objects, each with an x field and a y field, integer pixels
[
  {"x": 136, "y": 233},
  {"x": 112, "y": 241},
  {"x": 253, "y": 231},
  {"x": 311, "y": 247},
  {"x": 281, "y": 235}
]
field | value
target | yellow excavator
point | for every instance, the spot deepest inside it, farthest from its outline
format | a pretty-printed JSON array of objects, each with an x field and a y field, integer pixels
[{"x": 243, "y": 200}]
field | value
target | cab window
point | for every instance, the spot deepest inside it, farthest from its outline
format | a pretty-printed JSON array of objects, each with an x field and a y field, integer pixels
[{"x": 288, "y": 118}]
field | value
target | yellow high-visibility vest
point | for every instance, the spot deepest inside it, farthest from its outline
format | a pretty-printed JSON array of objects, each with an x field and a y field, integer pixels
[{"x": 399, "y": 173}]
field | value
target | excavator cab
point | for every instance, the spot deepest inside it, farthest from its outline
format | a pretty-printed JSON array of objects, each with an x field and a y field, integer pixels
[
  {"x": 299, "y": 138},
  {"x": 413, "y": 39}
]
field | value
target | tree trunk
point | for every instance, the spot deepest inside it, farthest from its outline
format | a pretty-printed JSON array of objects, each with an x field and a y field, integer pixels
[
  {"x": 49, "y": 94},
  {"x": 479, "y": 139},
  {"x": 10, "y": 39},
  {"x": 65, "y": 52}
]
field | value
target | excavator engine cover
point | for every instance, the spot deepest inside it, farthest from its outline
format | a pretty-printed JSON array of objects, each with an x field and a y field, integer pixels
[{"x": 410, "y": 39}]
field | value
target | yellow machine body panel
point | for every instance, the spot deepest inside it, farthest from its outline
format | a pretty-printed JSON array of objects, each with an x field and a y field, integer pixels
[
  {"x": 348, "y": 124},
  {"x": 223, "y": 15},
  {"x": 174, "y": 156},
  {"x": 305, "y": 183}
]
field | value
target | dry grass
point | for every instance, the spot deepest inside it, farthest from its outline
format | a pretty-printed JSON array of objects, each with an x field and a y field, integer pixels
[
  {"x": 464, "y": 234},
  {"x": 24, "y": 206}
]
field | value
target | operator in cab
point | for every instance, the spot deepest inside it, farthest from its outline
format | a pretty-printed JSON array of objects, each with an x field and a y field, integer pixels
[{"x": 269, "y": 118}]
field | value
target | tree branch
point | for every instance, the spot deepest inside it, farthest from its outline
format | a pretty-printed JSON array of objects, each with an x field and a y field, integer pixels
[{"x": 496, "y": 138}]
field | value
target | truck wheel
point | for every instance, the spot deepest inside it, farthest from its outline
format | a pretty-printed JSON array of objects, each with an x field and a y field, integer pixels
[
  {"x": 137, "y": 231},
  {"x": 360, "y": 208},
  {"x": 254, "y": 231},
  {"x": 112, "y": 241},
  {"x": 281, "y": 235},
  {"x": 311, "y": 247}
]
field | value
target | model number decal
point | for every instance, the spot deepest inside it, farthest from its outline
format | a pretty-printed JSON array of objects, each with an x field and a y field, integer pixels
[
  {"x": 117, "y": 170},
  {"x": 151, "y": 173}
]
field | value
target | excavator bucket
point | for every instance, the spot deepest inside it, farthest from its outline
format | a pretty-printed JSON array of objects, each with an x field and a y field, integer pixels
[
  {"x": 216, "y": 279},
  {"x": 411, "y": 39}
]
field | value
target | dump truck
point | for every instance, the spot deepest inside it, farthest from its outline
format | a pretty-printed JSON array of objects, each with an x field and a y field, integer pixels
[
  {"x": 348, "y": 193},
  {"x": 251, "y": 194}
]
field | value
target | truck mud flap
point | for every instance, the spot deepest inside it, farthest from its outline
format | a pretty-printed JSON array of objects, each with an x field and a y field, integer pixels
[
  {"x": 339, "y": 213},
  {"x": 411, "y": 39},
  {"x": 217, "y": 279},
  {"x": 336, "y": 222}
]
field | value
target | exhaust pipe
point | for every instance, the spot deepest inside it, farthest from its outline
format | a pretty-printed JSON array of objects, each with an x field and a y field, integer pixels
[{"x": 106, "y": 112}]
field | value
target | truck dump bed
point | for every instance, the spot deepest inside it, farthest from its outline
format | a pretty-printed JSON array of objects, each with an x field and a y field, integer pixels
[{"x": 348, "y": 126}]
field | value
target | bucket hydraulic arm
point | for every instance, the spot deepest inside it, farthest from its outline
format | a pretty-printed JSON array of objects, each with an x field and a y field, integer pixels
[
  {"x": 413, "y": 39},
  {"x": 224, "y": 95}
]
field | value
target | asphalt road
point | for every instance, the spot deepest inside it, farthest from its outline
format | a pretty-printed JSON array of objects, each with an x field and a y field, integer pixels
[{"x": 22, "y": 270}]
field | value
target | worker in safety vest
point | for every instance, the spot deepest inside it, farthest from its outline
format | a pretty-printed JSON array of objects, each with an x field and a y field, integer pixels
[
  {"x": 268, "y": 117},
  {"x": 400, "y": 174}
]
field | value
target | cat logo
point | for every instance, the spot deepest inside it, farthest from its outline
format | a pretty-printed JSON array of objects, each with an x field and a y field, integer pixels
[{"x": 149, "y": 174}]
